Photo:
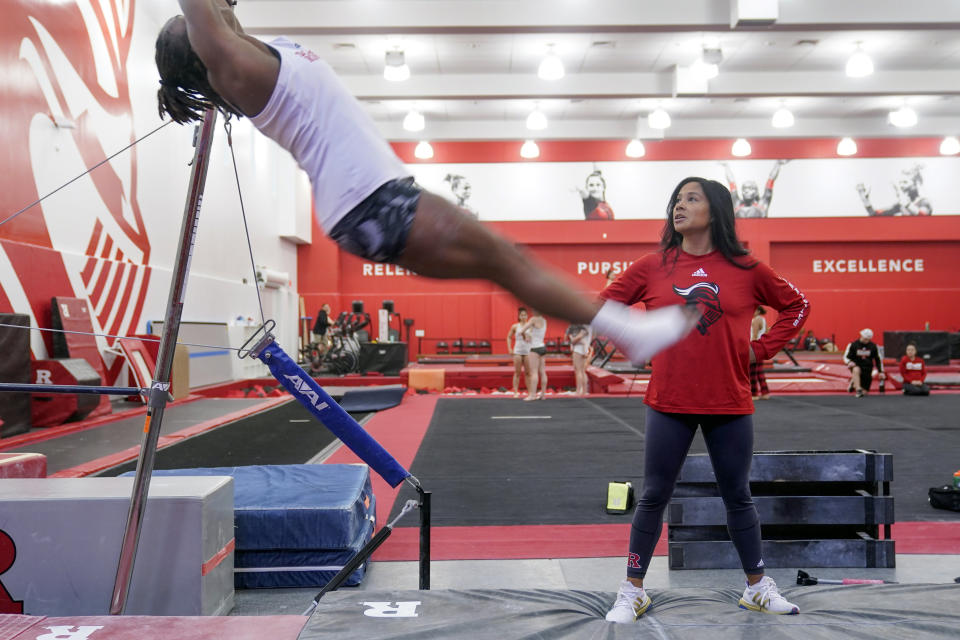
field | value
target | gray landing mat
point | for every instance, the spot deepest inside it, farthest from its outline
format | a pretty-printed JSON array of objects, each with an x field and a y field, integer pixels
[{"x": 915, "y": 611}]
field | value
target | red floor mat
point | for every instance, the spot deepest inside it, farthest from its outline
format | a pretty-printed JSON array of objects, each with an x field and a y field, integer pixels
[{"x": 601, "y": 541}]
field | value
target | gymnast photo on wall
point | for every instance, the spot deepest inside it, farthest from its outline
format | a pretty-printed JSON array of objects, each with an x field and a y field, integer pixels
[
  {"x": 909, "y": 200},
  {"x": 594, "y": 196},
  {"x": 747, "y": 199},
  {"x": 461, "y": 190}
]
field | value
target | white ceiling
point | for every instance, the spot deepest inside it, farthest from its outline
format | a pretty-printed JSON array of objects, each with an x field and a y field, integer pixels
[{"x": 474, "y": 62}]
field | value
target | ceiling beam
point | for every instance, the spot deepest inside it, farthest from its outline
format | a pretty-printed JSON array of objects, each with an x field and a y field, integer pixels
[
  {"x": 683, "y": 128},
  {"x": 298, "y": 17},
  {"x": 651, "y": 85}
]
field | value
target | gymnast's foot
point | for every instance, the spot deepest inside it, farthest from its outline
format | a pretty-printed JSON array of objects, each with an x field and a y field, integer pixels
[
  {"x": 643, "y": 334},
  {"x": 632, "y": 602},
  {"x": 764, "y": 597}
]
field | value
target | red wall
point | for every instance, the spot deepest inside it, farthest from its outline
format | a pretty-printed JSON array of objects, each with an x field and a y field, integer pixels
[{"x": 842, "y": 303}]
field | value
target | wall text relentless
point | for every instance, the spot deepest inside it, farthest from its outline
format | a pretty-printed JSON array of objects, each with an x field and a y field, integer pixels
[{"x": 380, "y": 269}]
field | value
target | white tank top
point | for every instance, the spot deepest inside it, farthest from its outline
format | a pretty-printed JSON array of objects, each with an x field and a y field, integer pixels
[
  {"x": 537, "y": 334},
  {"x": 520, "y": 345},
  {"x": 763, "y": 327},
  {"x": 312, "y": 115}
]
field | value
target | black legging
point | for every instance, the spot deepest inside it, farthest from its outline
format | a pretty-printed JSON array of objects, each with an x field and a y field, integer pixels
[{"x": 730, "y": 443}]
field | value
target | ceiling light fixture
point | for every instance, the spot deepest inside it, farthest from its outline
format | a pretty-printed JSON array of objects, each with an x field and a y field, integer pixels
[
  {"x": 658, "y": 119},
  {"x": 530, "y": 150},
  {"x": 704, "y": 69},
  {"x": 551, "y": 67},
  {"x": 847, "y": 147},
  {"x": 708, "y": 65},
  {"x": 537, "y": 120},
  {"x": 635, "y": 149},
  {"x": 395, "y": 67},
  {"x": 414, "y": 121},
  {"x": 950, "y": 146},
  {"x": 859, "y": 65},
  {"x": 423, "y": 151},
  {"x": 903, "y": 117},
  {"x": 741, "y": 148},
  {"x": 782, "y": 118}
]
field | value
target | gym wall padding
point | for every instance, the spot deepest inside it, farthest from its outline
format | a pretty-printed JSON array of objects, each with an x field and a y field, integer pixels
[
  {"x": 932, "y": 346},
  {"x": 14, "y": 367},
  {"x": 52, "y": 409},
  {"x": 73, "y": 314},
  {"x": 842, "y": 303}
]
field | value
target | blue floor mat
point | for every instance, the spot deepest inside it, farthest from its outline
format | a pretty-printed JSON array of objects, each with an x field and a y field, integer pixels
[{"x": 374, "y": 399}]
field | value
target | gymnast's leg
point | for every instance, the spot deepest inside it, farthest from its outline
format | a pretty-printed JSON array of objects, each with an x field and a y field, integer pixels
[{"x": 444, "y": 242}]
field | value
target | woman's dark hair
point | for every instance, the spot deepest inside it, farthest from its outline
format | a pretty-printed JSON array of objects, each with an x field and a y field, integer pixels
[
  {"x": 723, "y": 230},
  {"x": 910, "y": 344},
  {"x": 185, "y": 92}
]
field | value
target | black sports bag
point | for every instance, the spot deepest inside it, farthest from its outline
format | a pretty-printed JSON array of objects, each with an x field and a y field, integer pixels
[{"x": 945, "y": 497}]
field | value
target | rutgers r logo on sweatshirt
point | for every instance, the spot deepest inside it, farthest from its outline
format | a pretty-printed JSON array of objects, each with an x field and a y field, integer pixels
[{"x": 706, "y": 297}]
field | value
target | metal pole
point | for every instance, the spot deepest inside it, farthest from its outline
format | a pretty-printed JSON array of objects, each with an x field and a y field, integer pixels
[
  {"x": 424, "y": 539},
  {"x": 161, "y": 381}
]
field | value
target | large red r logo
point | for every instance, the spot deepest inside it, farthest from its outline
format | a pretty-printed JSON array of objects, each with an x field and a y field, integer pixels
[{"x": 8, "y": 553}]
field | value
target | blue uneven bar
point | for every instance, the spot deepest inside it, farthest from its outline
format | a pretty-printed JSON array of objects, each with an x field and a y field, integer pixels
[{"x": 312, "y": 396}]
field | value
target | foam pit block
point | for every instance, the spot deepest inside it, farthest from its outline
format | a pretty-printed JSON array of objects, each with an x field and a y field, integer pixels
[
  {"x": 23, "y": 465},
  {"x": 67, "y": 532},
  {"x": 431, "y": 379}
]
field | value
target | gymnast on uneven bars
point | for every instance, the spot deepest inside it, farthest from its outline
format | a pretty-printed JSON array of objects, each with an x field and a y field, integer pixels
[{"x": 364, "y": 197}]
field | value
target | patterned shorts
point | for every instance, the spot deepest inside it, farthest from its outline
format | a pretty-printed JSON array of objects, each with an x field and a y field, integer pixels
[{"x": 377, "y": 228}]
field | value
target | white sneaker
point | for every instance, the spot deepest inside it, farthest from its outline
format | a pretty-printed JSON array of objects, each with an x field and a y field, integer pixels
[
  {"x": 640, "y": 334},
  {"x": 764, "y": 596},
  {"x": 631, "y": 603}
]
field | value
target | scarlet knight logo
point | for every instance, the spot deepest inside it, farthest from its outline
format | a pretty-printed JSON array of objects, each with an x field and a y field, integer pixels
[
  {"x": 706, "y": 297},
  {"x": 70, "y": 106}
]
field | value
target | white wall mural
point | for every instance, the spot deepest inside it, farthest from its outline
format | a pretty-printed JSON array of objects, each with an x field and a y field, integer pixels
[{"x": 806, "y": 188}]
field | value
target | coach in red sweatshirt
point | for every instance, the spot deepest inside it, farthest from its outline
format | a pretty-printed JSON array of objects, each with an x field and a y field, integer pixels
[{"x": 703, "y": 381}]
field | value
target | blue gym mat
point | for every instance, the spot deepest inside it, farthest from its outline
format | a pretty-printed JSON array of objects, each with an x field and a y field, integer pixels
[
  {"x": 373, "y": 399},
  {"x": 296, "y": 525}
]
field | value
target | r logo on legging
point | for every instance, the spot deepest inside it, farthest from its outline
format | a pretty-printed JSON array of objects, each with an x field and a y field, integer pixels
[{"x": 8, "y": 553}]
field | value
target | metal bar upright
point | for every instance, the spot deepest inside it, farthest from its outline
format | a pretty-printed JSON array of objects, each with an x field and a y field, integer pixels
[
  {"x": 424, "y": 500},
  {"x": 157, "y": 400}
]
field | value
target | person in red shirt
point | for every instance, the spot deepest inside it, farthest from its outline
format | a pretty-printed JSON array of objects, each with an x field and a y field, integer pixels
[
  {"x": 914, "y": 372},
  {"x": 704, "y": 379}
]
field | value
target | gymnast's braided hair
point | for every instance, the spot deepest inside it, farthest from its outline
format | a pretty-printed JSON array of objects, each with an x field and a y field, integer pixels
[{"x": 185, "y": 92}]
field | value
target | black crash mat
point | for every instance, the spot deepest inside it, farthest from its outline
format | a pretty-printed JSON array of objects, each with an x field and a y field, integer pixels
[
  {"x": 883, "y": 612},
  {"x": 72, "y": 449},
  {"x": 285, "y": 434},
  {"x": 508, "y": 462}
]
